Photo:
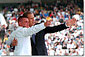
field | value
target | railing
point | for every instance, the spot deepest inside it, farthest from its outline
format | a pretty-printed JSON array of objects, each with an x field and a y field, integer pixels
[{"x": 14, "y": 1}]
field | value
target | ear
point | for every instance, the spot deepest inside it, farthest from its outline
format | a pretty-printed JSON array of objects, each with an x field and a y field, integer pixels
[{"x": 19, "y": 24}]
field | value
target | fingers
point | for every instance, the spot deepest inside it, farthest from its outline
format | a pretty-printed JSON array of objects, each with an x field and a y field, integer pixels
[
  {"x": 70, "y": 22},
  {"x": 14, "y": 42},
  {"x": 15, "y": 39},
  {"x": 74, "y": 21}
]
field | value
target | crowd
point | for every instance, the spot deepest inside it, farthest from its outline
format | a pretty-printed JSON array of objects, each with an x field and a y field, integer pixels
[{"x": 66, "y": 42}]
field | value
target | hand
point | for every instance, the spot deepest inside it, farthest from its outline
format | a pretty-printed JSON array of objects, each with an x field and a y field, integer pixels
[
  {"x": 14, "y": 42},
  {"x": 47, "y": 23},
  {"x": 70, "y": 22}
]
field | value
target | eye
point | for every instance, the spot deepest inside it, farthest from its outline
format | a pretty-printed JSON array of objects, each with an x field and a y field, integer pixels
[{"x": 26, "y": 21}]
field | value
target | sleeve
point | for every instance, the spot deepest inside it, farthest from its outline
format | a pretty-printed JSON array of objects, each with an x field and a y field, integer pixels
[
  {"x": 33, "y": 29},
  {"x": 55, "y": 28}
]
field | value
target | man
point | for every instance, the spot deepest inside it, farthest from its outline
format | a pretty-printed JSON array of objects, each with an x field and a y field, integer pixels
[
  {"x": 38, "y": 47},
  {"x": 23, "y": 34}
]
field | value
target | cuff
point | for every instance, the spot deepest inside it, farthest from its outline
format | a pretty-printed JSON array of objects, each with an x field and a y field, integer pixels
[
  {"x": 42, "y": 25},
  {"x": 66, "y": 25}
]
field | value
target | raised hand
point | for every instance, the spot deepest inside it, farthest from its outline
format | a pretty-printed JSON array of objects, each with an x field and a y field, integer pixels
[{"x": 70, "y": 22}]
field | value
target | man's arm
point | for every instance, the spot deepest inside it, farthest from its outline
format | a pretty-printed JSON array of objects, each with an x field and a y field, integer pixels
[
  {"x": 68, "y": 23},
  {"x": 55, "y": 28},
  {"x": 35, "y": 29}
]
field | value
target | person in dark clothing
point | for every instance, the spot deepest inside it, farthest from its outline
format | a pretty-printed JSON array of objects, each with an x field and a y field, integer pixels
[
  {"x": 2, "y": 32},
  {"x": 38, "y": 47},
  {"x": 40, "y": 41}
]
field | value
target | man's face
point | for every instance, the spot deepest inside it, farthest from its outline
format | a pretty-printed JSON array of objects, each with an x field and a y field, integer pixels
[
  {"x": 31, "y": 19},
  {"x": 25, "y": 22}
]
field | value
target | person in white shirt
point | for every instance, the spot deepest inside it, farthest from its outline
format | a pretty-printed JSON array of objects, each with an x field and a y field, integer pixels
[{"x": 23, "y": 34}]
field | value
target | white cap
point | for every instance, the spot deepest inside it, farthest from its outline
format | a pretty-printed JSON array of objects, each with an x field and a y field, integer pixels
[
  {"x": 77, "y": 17},
  {"x": 15, "y": 9}
]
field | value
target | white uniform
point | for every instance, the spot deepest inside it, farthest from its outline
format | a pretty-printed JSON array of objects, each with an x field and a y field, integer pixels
[{"x": 23, "y": 36}]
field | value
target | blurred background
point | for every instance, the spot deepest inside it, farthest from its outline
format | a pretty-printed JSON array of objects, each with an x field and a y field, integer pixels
[{"x": 66, "y": 42}]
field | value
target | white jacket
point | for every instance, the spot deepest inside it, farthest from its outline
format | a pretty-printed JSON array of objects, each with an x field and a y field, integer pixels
[{"x": 23, "y": 36}]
